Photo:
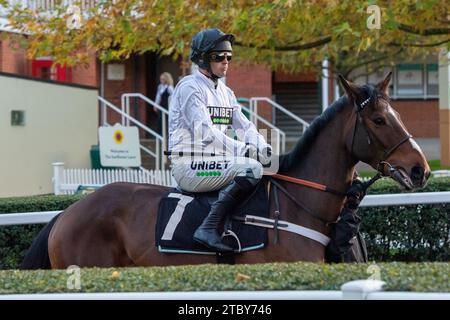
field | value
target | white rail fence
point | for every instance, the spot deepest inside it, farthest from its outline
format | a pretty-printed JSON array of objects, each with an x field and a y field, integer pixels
[
  {"x": 67, "y": 181},
  {"x": 368, "y": 289},
  {"x": 368, "y": 201}
]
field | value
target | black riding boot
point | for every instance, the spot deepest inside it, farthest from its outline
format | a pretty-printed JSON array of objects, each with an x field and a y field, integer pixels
[{"x": 209, "y": 232}]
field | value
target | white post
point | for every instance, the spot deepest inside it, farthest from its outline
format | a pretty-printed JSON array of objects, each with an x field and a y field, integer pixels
[
  {"x": 444, "y": 107},
  {"x": 164, "y": 142},
  {"x": 122, "y": 108},
  {"x": 336, "y": 89},
  {"x": 58, "y": 169},
  {"x": 325, "y": 76},
  {"x": 359, "y": 289}
]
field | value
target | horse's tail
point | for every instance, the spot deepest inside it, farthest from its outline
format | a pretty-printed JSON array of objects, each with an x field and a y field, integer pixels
[{"x": 37, "y": 255}]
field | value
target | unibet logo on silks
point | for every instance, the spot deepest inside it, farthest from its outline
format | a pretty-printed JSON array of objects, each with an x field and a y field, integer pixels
[
  {"x": 210, "y": 165},
  {"x": 221, "y": 115}
]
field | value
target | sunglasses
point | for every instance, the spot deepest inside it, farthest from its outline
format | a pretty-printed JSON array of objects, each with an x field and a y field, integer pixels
[{"x": 220, "y": 56}]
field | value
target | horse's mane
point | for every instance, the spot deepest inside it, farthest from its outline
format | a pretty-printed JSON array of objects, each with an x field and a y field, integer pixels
[{"x": 291, "y": 159}]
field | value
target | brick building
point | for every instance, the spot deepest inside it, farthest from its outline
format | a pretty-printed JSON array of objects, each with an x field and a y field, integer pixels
[{"x": 414, "y": 88}]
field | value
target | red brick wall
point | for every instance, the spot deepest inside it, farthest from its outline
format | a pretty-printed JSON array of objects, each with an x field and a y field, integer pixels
[
  {"x": 13, "y": 61},
  {"x": 115, "y": 88},
  {"x": 281, "y": 76},
  {"x": 421, "y": 117},
  {"x": 89, "y": 75},
  {"x": 249, "y": 80}
]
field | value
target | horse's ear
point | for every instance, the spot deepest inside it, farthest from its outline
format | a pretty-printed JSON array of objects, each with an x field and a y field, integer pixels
[
  {"x": 350, "y": 88},
  {"x": 383, "y": 86}
]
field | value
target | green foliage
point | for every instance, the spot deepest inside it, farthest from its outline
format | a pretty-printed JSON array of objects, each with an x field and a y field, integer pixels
[
  {"x": 436, "y": 165},
  {"x": 407, "y": 233},
  {"x": 15, "y": 240},
  {"x": 293, "y": 35},
  {"x": 36, "y": 203},
  {"x": 421, "y": 277}
]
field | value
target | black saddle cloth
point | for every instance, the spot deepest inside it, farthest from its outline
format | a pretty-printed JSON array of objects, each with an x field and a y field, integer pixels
[{"x": 180, "y": 213}]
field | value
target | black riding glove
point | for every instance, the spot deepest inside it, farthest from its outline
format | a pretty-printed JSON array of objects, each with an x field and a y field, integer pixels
[{"x": 355, "y": 194}]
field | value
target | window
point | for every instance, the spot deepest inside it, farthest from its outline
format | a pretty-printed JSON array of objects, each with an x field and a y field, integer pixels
[
  {"x": 409, "y": 81},
  {"x": 44, "y": 68},
  {"x": 432, "y": 80}
]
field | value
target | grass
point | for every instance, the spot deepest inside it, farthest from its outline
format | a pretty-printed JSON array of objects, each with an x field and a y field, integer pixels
[{"x": 436, "y": 165}]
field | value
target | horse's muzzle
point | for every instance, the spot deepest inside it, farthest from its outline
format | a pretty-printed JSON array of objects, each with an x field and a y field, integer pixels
[{"x": 419, "y": 177}]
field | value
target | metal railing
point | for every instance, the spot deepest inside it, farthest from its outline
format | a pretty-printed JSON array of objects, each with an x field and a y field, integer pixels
[
  {"x": 254, "y": 107},
  {"x": 280, "y": 141},
  {"x": 126, "y": 109},
  {"x": 157, "y": 154},
  {"x": 281, "y": 135}
]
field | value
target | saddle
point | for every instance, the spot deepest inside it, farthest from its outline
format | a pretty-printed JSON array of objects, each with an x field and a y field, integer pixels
[{"x": 180, "y": 213}]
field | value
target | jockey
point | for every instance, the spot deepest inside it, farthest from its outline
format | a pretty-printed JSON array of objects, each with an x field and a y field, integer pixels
[{"x": 204, "y": 158}]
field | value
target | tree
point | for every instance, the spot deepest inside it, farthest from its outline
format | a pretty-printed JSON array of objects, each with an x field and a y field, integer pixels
[{"x": 287, "y": 34}]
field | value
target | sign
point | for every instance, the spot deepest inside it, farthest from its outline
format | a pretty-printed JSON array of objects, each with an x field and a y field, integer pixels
[
  {"x": 119, "y": 146},
  {"x": 116, "y": 71},
  {"x": 409, "y": 74}
]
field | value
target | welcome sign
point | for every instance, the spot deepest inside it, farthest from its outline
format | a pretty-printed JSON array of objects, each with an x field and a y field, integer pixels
[{"x": 119, "y": 146}]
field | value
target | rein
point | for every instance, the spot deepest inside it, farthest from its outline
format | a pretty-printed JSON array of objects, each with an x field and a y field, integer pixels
[{"x": 307, "y": 183}]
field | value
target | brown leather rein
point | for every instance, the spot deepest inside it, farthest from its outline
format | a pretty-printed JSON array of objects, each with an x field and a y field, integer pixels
[{"x": 307, "y": 183}]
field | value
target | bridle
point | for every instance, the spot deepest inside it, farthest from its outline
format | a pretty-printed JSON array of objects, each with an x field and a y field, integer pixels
[{"x": 387, "y": 152}]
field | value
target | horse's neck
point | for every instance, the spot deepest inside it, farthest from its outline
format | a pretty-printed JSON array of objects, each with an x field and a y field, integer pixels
[{"x": 329, "y": 163}]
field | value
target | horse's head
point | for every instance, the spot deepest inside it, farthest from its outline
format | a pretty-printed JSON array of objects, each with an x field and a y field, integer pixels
[{"x": 377, "y": 136}]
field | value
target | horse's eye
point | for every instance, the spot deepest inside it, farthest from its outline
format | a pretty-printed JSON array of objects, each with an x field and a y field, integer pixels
[{"x": 379, "y": 121}]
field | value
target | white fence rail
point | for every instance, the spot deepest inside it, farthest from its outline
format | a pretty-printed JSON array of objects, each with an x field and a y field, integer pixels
[
  {"x": 368, "y": 201},
  {"x": 353, "y": 290},
  {"x": 405, "y": 199},
  {"x": 67, "y": 181}
]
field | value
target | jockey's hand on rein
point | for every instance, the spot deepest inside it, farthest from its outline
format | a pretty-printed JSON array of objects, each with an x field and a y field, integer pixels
[
  {"x": 355, "y": 194},
  {"x": 251, "y": 151},
  {"x": 265, "y": 156}
]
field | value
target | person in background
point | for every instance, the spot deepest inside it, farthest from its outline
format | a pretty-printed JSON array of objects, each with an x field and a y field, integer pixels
[{"x": 163, "y": 93}]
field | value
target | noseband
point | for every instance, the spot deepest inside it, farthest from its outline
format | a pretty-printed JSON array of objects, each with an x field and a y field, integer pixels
[{"x": 387, "y": 152}]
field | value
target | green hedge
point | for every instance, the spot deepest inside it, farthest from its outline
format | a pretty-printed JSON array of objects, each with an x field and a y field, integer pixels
[
  {"x": 421, "y": 277},
  {"x": 403, "y": 233},
  {"x": 408, "y": 233},
  {"x": 15, "y": 240}
]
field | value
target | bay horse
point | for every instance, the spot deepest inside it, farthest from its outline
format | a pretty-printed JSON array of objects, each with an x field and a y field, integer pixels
[{"x": 115, "y": 225}]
